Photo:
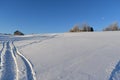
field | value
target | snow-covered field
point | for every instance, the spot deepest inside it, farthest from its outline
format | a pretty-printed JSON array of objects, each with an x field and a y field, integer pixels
[{"x": 63, "y": 56}]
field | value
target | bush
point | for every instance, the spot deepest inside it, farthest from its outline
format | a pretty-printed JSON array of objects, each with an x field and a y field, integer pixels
[
  {"x": 87, "y": 28},
  {"x": 18, "y": 33}
]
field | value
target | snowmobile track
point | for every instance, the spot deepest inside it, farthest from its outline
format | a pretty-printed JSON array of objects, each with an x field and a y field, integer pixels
[
  {"x": 29, "y": 68},
  {"x": 9, "y": 69},
  {"x": 8, "y": 63}
]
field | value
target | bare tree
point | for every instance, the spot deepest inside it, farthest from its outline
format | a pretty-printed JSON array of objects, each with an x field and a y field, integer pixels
[
  {"x": 75, "y": 29},
  {"x": 82, "y": 28},
  {"x": 113, "y": 27},
  {"x": 87, "y": 28}
]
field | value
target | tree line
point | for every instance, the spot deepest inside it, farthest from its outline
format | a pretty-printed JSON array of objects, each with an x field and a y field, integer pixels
[
  {"x": 82, "y": 28},
  {"x": 87, "y": 28}
]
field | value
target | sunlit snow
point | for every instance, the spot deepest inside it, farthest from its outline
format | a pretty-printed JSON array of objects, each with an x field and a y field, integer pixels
[{"x": 63, "y": 56}]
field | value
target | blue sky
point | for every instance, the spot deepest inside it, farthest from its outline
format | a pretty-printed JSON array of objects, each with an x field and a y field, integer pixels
[{"x": 51, "y": 16}]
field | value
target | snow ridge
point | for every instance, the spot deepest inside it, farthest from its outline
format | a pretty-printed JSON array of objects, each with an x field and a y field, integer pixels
[{"x": 115, "y": 75}]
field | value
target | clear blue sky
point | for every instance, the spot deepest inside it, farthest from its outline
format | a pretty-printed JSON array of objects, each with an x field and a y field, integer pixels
[{"x": 51, "y": 16}]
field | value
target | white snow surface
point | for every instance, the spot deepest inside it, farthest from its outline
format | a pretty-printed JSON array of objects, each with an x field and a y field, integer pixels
[{"x": 61, "y": 56}]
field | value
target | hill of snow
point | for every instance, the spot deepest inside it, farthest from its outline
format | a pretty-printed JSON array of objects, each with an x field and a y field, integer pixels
[{"x": 64, "y": 56}]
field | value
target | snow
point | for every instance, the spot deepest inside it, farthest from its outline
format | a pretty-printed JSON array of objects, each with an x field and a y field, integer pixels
[
  {"x": 8, "y": 63},
  {"x": 61, "y": 56}
]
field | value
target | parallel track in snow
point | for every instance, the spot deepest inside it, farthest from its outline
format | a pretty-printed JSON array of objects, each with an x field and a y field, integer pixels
[
  {"x": 8, "y": 64},
  {"x": 30, "y": 74},
  {"x": 13, "y": 64},
  {"x": 3, "y": 46},
  {"x": 9, "y": 69}
]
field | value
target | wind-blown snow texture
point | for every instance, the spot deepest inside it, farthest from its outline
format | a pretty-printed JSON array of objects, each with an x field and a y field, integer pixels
[{"x": 65, "y": 56}]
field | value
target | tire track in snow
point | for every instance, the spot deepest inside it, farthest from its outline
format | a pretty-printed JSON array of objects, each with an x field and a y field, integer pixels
[
  {"x": 115, "y": 75},
  {"x": 9, "y": 68},
  {"x": 30, "y": 74},
  {"x": 8, "y": 64},
  {"x": 3, "y": 46}
]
